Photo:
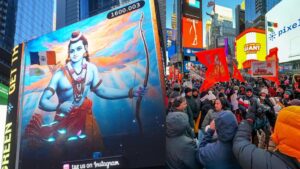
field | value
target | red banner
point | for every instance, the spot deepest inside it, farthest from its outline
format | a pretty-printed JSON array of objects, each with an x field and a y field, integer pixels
[
  {"x": 217, "y": 69},
  {"x": 237, "y": 74},
  {"x": 273, "y": 57}
]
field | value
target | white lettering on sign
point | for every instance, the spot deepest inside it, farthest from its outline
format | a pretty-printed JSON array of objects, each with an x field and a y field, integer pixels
[{"x": 252, "y": 48}]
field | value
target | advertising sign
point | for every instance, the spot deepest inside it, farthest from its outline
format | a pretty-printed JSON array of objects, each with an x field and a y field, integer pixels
[
  {"x": 3, "y": 110},
  {"x": 250, "y": 45},
  {"x": 171, "y": 43},
  {"x": 263, "y": 69},
  {"x": 192, "y": 33},
  {"x": 3, "y": 94},
  {"x": 190, "y": 51},
  {"x": 91, "y": 95},
  {"x": 192, "y": 9},
  {"x": 283, "y": 30}
]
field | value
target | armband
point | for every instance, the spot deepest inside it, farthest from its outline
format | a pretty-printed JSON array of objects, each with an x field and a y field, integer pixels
[
  {"x": 51, "y": 90},
  {"x": 93, "y": 89}
]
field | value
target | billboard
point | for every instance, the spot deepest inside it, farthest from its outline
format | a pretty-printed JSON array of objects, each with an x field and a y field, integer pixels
[
  {"x": 91, "y": 95},
  {"x": 171, "y": 43},
  {"x": 263, "y": 69},
  {"x": 192, "y": 9},
  {"x": 3, "y": 94},
  {"x": 192, "y": 33},
  {"x": 283, "y": 30},
  {"x": 3, "y": 110},
  {"x": 250, "y": 45}
]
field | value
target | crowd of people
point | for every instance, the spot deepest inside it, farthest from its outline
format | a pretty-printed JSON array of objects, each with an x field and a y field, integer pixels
[{"x": 234, "y": 125}]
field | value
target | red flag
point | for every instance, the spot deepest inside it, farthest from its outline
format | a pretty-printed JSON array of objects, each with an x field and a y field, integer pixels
[
  {"x": 236, "y": 74},
  {"x": 273, "y": 57},
  {"x": 217, "y": 69}
]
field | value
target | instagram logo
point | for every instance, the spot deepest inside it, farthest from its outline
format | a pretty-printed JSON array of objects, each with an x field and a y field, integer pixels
[{"x": 66, "y": 166}]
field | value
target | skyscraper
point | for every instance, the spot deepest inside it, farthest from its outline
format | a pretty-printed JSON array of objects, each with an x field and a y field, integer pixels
[
  {"x": 33, "y": 19},
  {"x": 4, "y": 66},
  {"x": 71, "y": 11},
  {"x": 7, "y": 21},
  {"x": 256, "y": 10},
  {"x": 240, "y": 18},
  {"x": 222, "y": 28}
]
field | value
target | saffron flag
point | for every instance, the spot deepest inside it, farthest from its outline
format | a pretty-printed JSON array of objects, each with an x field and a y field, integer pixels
[
  {"x": 237, "y": 74},
  {"x": 273, "y": 57},
  {"x": 217, "y": 68},
  {"x": 43, "y": 58}
]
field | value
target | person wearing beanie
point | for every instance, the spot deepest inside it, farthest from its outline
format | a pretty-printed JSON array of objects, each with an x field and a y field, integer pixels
[
  {"x": 287, "y": 96},
  {"x": 197, "y": 98},
  {"x": 247, "y": 100},
  {"x": 191, "y": 102},
  {"x": 242, "y": 90},
  {"x": 219, "y": 154},
  {"x": 268, "y": 102},
  {"x": 179, "y": 104},
  {"x": 180, "y": 149},
  {"x": 286, "y": 135}
]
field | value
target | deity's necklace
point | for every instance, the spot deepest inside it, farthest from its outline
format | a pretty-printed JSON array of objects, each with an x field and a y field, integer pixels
[{"x": 78, "y": 80}]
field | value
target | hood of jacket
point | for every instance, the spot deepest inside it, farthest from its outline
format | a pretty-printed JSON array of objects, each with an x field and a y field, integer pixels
[
  {"x": 177, "y": 124},
  {"x": 226, "y": 126},
  {"x": 287, "y": 131}
]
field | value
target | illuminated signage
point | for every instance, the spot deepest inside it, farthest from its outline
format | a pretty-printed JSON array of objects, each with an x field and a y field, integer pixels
[
  {"x": 250, "y": 45},
  {"x": 252, "y": 48},
  {"x": 192, "y": 9},
  {"x": 283, "y": 30}
]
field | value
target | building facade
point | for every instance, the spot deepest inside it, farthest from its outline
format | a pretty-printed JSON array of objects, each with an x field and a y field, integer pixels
[
  {"x": 222, "y": 28},
  {"x": 71, "y": 11},
  {"x": 33, "y": 19},
  {"x": 7, "y": 22},
  {"x": 256, "y": 10},
  {"x": 240, "y": 18}
]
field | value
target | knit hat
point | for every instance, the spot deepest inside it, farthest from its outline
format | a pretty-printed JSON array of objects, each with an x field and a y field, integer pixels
[
  {"x": 195, "y": 90},
  {"x": 176, "y": 86},
  {"x": 288, "y": 92},
  {"x": 187, "y": 90},
  {"x": 249, "y": 88},
  {"x": 264, "y": 90}
]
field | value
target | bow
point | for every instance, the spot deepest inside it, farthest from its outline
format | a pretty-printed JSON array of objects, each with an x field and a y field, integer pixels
[{"x": 139, "y": 100}]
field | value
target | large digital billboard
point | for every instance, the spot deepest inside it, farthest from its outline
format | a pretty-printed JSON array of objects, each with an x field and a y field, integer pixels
[
  {"x": 283, "y": 30},
  {"x": 192, "y": 9},
  {"x": 250, "y": 45},
  {"x": 192, "y": 34},
  {"x": 2, "y": 127},
  {"x": 91, "y": 95}
]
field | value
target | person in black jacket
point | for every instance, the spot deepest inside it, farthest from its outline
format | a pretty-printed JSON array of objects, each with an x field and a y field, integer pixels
[
  {"x": 180, "y": 149},
  {"x": 287, "y": 155}
]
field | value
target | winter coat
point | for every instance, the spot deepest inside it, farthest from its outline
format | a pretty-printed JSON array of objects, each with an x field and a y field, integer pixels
[
  {"x": 193, "y": 105},
  {"x": 180, "y": 149},
  {"x": 288, "y": 142},
  {"x": 219, "y": 155},
  {"x": 211, "y": 114},
  {"x": 234, "y": 101},
  {"x": 252, "y": 157}
]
